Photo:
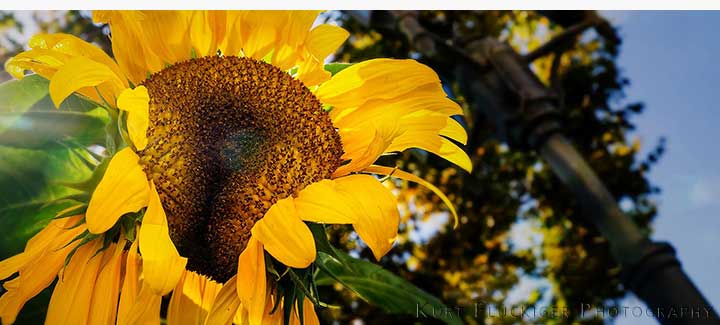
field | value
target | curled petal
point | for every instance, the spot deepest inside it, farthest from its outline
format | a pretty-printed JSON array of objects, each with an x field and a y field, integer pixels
[
  {"x": 325, "y": 39},
  {"x": 251, "y": 282},
  {"x": 394, "y": 172},
  {"x": 360, "y": 200},
  {"x": 309, "y": 317},
  {"x": 137, "y": 103},
  {"x": 81, "y": 72},
  {"x": 285, "y": 236},
  {"x": 122, "y": 189},
  {"x": 162, "y": 264}
]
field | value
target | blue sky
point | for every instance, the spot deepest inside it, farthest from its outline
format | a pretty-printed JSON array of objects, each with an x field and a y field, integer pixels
[{"x": 671, "y": 59}]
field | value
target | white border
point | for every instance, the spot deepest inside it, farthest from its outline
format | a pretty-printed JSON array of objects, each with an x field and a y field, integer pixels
[{"x": 365, "y": 4}]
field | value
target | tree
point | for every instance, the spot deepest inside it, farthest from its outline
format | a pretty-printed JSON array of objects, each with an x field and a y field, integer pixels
[{"x": 480, "y": 261}]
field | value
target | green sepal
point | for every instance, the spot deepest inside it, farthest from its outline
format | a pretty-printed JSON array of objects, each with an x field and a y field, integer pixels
[
  {"x": 108, "y": 238},
  {"x": 88, "y": 185},
  {"x": 72, "y": 212},
  {"x": 289, "y": 296},
  {"x": 270, "y": 268},
  {"x": 334, "y": 68},
  {"x": 84, "y": 238},
  {"x": 128, "y": 224}
]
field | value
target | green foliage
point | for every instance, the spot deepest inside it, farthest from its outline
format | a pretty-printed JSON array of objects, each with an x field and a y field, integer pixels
[
  {"x": 29, "y": 120},
  {"x": 375, "y": 285},
  {"x": 41, "y": 148}
]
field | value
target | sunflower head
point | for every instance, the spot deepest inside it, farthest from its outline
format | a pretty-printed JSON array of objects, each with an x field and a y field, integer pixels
[{"x": 228, "y": 140}]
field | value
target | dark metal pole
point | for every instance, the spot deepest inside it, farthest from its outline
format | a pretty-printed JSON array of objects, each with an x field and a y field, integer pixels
[{"x": 651, "y": 270}]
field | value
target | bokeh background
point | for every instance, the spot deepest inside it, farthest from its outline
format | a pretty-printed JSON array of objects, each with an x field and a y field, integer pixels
[{"x": 638, "y": 99}]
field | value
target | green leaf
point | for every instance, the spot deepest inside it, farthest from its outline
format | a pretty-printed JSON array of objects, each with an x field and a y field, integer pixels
[
  {"x": 20, "y": 95},
  {"x": 334, "y": 68},
  {"x": 29, "y": 119},
  {"x": 31, "y": 94},
  {"x": 29, "y": 183},
  {"x": 41, "y": 129},
  {"x": 376, "y": 285}
]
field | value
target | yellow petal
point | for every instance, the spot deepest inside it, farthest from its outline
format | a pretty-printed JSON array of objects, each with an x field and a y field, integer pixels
[
  {"x": 358, "y": 199},
  {"x": 50, "y": 52},
  {"x": 251, "y": 282},
  {"x": 162, "y": 264},
  {"x": 101, "y": 16},
  {"x": 235, "y": 26},
  {"x": 137, "y": 103},
  {"x": 312, "y": 72},
  {"x": 325, "y": 39},
  {"x": 263, "y": 28},
  {"x": 48, "y": 250},
  {"x": 146, "y": 309},
  {"x": 309, "y": 315},
  {"x": 362, "y": 147},
  {"x": 130, "y": 284},
  {"x": 394, "y": 172},
  {"x": 127, "y": 43},
  {"x": 103, "y": 309},
  {"x": 80, "y": 72},
  {"x": 207, "y": 31},
  {"x": 74, "y": 46},
  {"x": 145, "y": 42},
  {"x": 374, "y": 117},
  {"x": 71, "y": 300},
  {"x": 56, "y": 234},
  {"x": 227, "y": 303},
  {"x": 192, "y": 299},
  {"x": 11, "y": 265},
  {"x": 287, "y": 51},
  {"x": 285, "y": 236},
  {"x": 168, "y": 34},
  {"x": 298, "y": 26},
  {"x": 181, "y": 307},
  {"x": 454, "y": 130},
  {"x": 42, "y": 61},
  {"x": 376, "y": 79},
  {"x": 122, "y": 189},
  {"x": 271, "y": 300}
]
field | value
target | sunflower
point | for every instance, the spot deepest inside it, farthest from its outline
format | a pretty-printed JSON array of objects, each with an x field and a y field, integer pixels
[{"x": 232, "y": 138}]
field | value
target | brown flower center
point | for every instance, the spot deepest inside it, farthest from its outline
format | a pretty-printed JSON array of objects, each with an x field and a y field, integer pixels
[{"x": 228, "y": 137}]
